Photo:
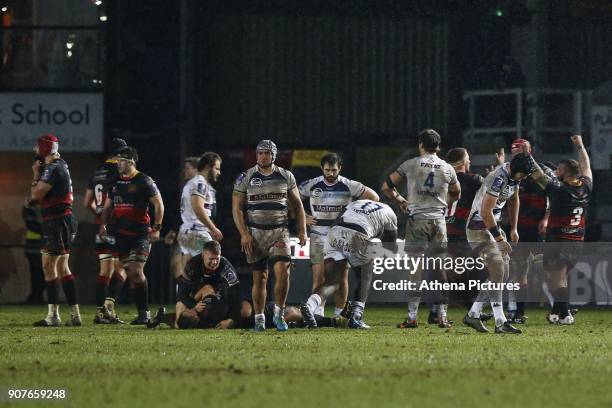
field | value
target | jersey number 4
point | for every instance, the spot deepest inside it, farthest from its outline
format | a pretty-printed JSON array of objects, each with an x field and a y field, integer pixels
[{"x": 429, "y": 181}]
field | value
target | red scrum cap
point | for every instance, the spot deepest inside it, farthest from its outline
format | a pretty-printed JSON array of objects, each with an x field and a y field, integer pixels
[{"x": 47, "y": 144}]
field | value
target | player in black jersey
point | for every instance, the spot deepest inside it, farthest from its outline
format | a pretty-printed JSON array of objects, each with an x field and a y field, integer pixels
[
  {"x": 52, "y": 189},
  {"x": 569, "y": 195},
  {"x": 128, "y": 205},
  {"x": 112, "y": 275}
]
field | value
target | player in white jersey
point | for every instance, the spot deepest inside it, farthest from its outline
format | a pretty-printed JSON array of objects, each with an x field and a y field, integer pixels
[
  {"x": 197, "y": 206},
  {"x": 348, "y": 240},
  {"x": 489, "y": 241},
  {"x": 327, "y": 196},
  {"x": 431, "y": 187}
]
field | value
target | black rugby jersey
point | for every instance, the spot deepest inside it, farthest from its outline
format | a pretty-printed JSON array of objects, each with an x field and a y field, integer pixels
[
  {"x": 101, "y": 182},
  {"x": 131, "y": 203},
  {"x": 568, "y": 207},
  {"x": 459, "y": 211},
  {"x": 58, "y": 201}
]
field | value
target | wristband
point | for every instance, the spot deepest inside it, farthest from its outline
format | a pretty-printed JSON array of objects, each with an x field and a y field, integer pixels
[{"x": 495, "y": 232}]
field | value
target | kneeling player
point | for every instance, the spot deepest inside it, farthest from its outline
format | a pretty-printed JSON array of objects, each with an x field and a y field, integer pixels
[{"x": 349, "y": 241}]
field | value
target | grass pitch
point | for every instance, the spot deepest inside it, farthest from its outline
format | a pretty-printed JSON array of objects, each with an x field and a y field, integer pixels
[{"x": 547, "y": 366}]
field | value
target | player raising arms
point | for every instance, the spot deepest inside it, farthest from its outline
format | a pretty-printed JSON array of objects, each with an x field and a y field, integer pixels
[
  {"x": 328, "y": 195},
  {"x": 264, "y": 191},
  {"x": 569, "y": 195},
  {"x": 128, "y": 204},
  {"x": 431, "y": 187},
  {"x": 112, "y": 275}
]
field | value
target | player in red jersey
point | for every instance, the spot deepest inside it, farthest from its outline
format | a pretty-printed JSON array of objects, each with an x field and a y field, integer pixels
[
  {"x": 128, "y": 204},
  {"x": 52, "y": 189},
  {"x": 112, "y": 275},
  {"x": 569, "y": 195}
]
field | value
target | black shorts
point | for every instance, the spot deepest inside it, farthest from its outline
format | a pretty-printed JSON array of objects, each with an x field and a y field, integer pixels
[
  {"x": 58, "y": 235},
  {"x": 133, "y": 248},
  {"x": 529, "y": 234},
  {"x": 106, "y": 249}
]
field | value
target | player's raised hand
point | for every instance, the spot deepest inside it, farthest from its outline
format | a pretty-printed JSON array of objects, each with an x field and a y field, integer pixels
[
  {"x": 500, "y": 156},
  {"x": 526, "y": 149},
  {"x": 577, "y": 140}
]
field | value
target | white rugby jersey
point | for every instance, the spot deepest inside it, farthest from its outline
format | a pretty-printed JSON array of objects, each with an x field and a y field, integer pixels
[
  {"x": 328, "y": 200},
  {"x": 197, "y": 186},
  {"x": 498, "y": 184},
  {"x": 373, "y": 217},
  {"x": 427, "y": 179}
]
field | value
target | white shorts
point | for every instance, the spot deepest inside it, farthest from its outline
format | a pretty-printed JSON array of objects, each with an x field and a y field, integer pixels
[
  {"x": 191, "y": 241},
  {"x": 345, "y": 243}
]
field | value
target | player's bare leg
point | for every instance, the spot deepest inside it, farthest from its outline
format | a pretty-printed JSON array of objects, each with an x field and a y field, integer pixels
[
  {"x": 259, "y": 292},
  {"x": 281, "y": 289},
  {"x": 341, "y": 295}
]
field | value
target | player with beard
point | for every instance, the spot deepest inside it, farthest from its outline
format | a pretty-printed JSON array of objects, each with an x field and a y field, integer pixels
[
  {"x": 128, "y": 204},
  {"x": 569, "y": 194},
  {"x": 260, "y": 211},
  {"x": 489, "y": 241},
  {"x": 431, "y": 187},
  {"x": 198, "y": 202},
  {"x": 52, "y": 189},
  {"x": 112, "y": 275},
  {"x": 349, "y": 242},
  {"x": 327, "y": 196}
]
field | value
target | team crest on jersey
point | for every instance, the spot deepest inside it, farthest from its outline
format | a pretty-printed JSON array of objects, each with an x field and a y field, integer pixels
[
  {"x": 497, "y": 184},
  {"x": 256, "y": 182},
  {"x": 317, "y": 192},
  {"x": 131, "y": 189}
]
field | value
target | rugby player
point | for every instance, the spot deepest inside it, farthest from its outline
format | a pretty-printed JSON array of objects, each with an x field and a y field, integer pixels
[
  {"x": 197, "y": 207},
  {"x": 128, "y": 204},
  {"x": 207, "y": 289},
  {"x": 327, "y": 195},
  {"x": 348, "y": 240},
  {"x": 263, "y": 192},
  {"x": 112, "y": 275},
  {"x": 52, "y": 189},
  {"x": 190, "y": 169},
  {"x": 431, "y": 187},
  {"x": 569, "y": 194},
  {"x": 532, "y": 219},
  {"x": 489, "y": 241}
]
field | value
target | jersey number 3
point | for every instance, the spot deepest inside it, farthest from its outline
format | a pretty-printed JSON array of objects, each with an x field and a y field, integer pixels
[{"x": 577, "y": 216}]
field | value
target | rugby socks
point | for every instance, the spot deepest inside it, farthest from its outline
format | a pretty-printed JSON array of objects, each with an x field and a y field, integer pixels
[
  {"x": 279, "y": 311},
  {"x": 337, "y": 311},
  {"x": 442, "y": 308},
  {"x": 561, "y": 305},
  {"x": 102, "y": 286},
  {"x": 52, "y": 290},
  {"x": 69, "y": 286},
  {"x": 476, "y": 309},
  {"x": 413, "y": 306},
  {"x": 313, "y": 302},
  {"x": 496, "y": 297},
  {"x": 260, "y": 319},
  {"x": 140, "y": 291},
  {"x": 116, "y": 285},
  {"x": 358, "y": 310}
]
